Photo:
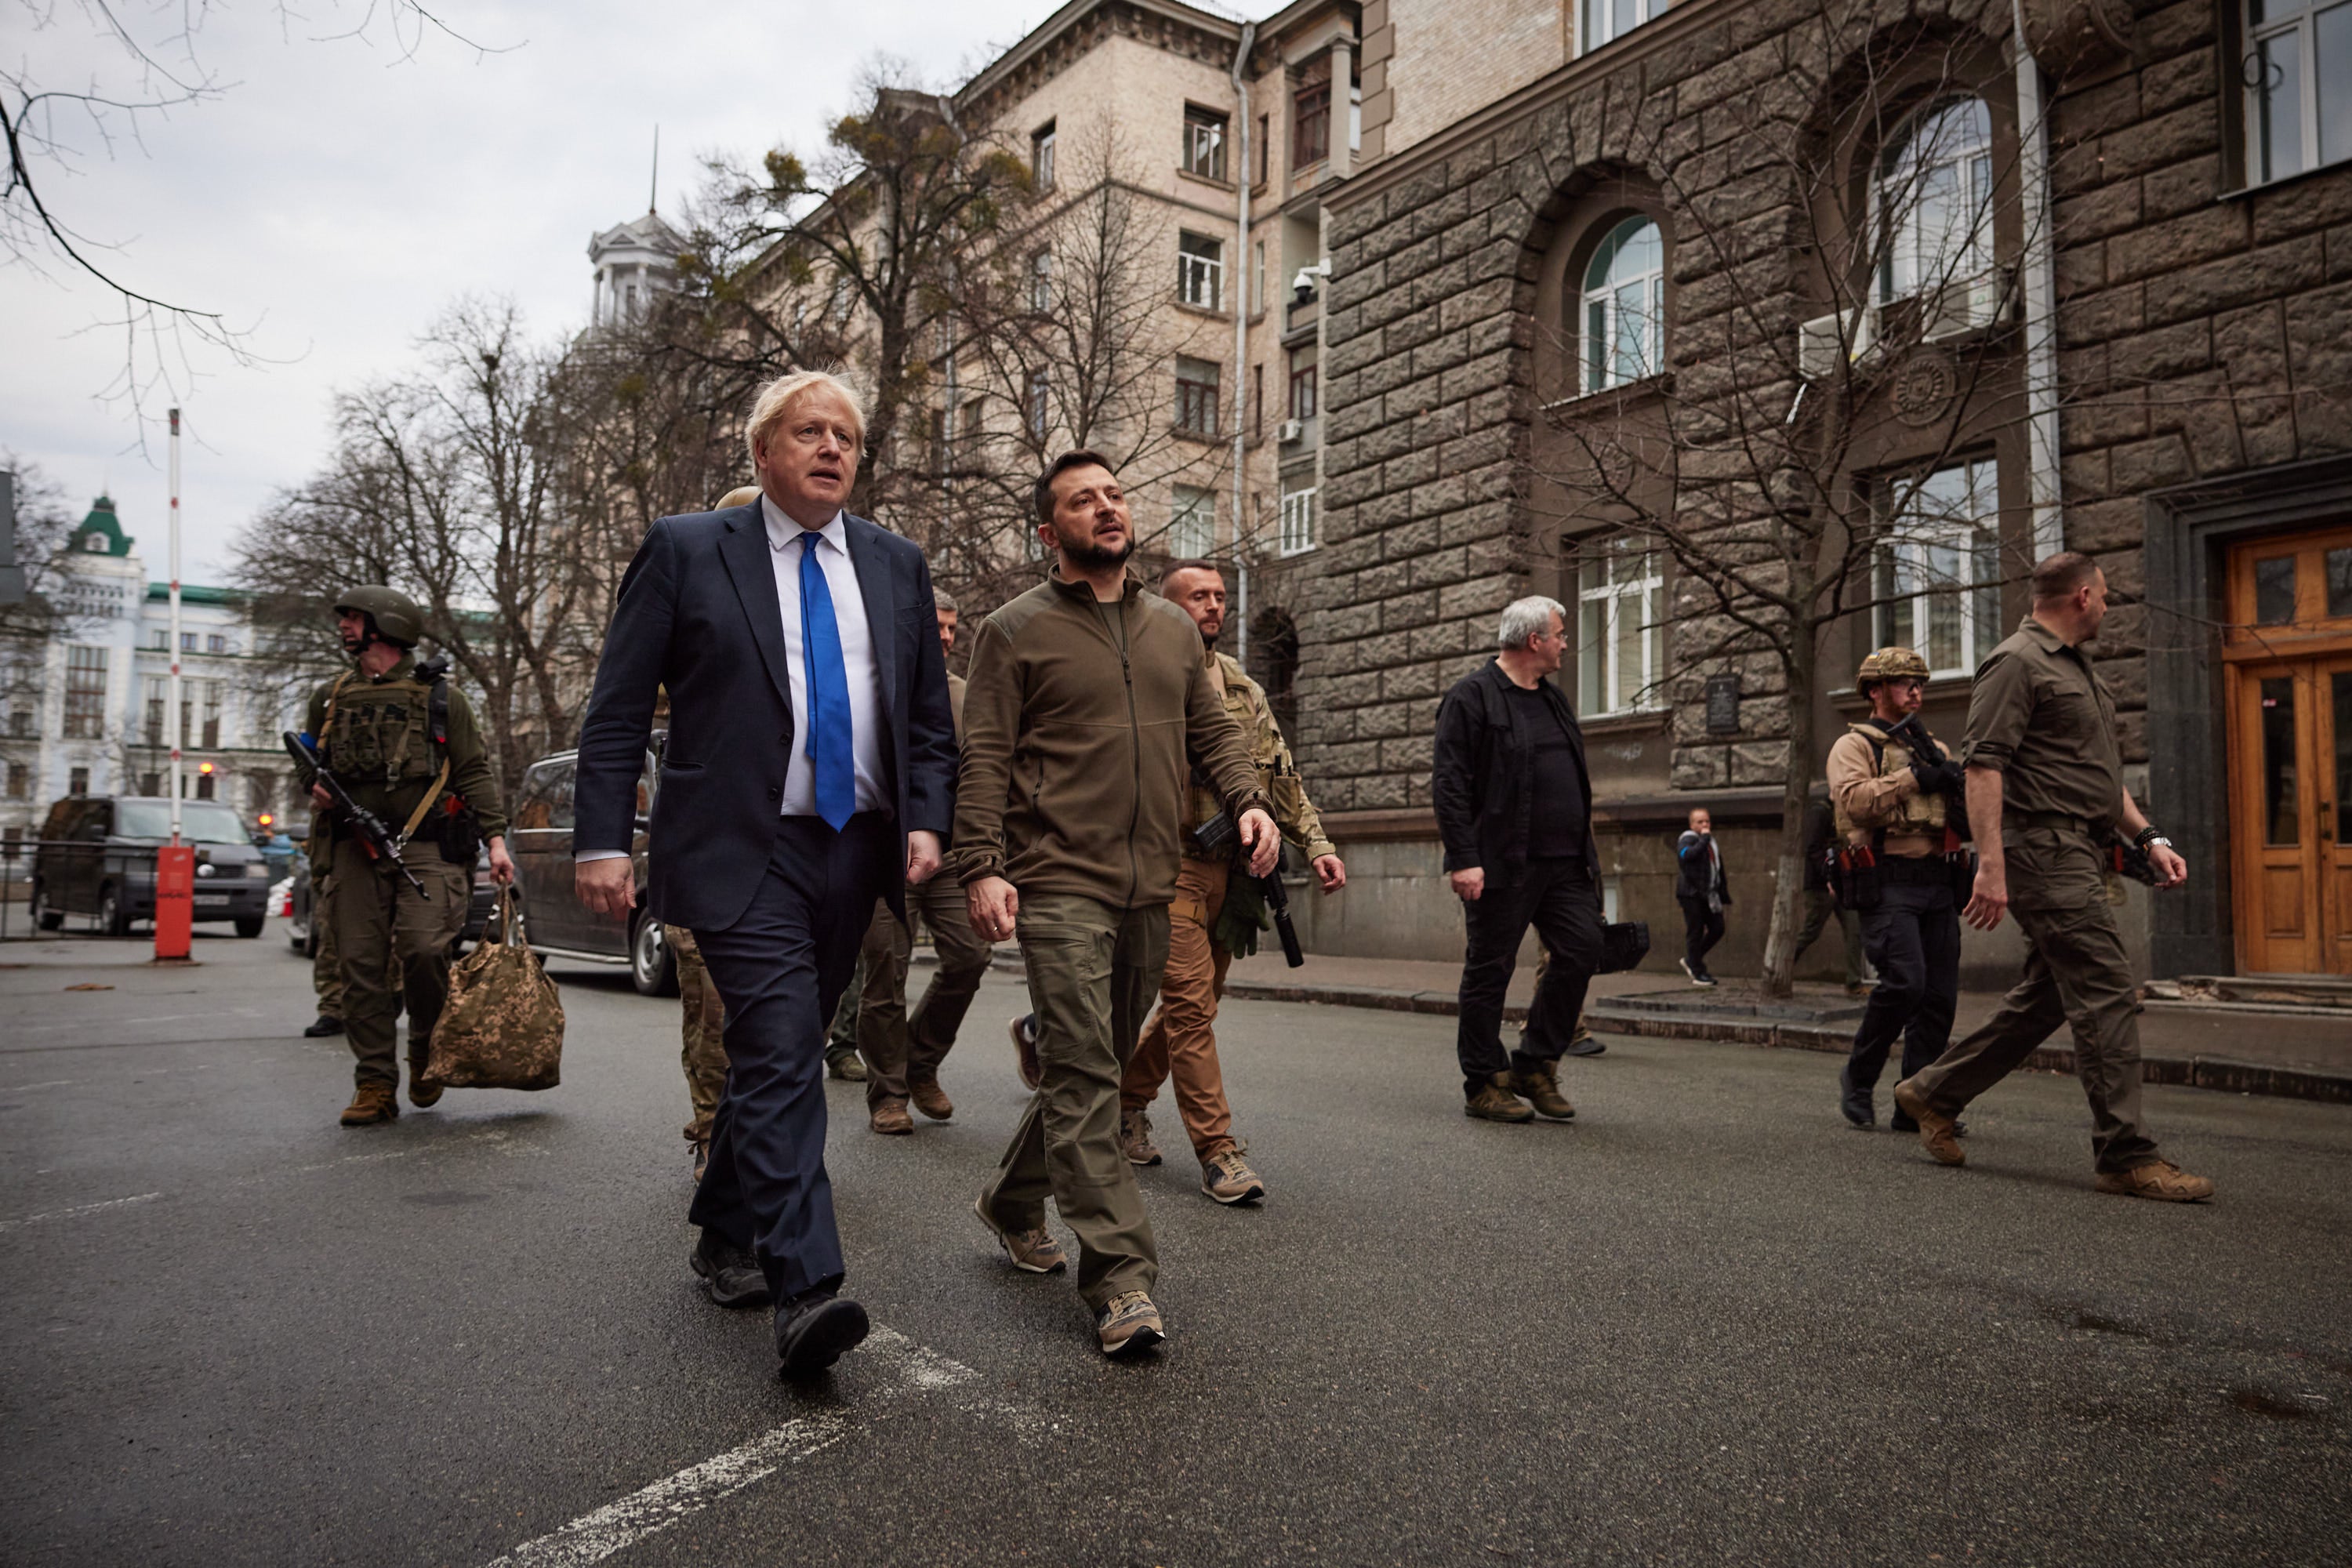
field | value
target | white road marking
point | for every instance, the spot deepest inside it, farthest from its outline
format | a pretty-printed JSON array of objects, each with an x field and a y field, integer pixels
[
  {"x": 28, "y": 1087},
  {"x": 79, "y": 1210},
  {"x": 907, "y": 1369}
]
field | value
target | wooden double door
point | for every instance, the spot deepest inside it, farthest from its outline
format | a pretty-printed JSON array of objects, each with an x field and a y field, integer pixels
[{"x": 2289, "y": 684}]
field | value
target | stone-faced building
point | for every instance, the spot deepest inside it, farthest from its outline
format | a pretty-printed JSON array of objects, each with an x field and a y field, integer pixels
[{"x": 1612, "y": 280}]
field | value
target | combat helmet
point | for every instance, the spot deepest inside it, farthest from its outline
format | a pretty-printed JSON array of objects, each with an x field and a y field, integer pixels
[
  {"x": 392, "y": 615},
  {"x": 1889, "y": 664}
]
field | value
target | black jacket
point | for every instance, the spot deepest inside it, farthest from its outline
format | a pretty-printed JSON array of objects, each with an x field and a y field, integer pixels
[
  {"x": 697, "y": 614},
  {"x": 1482, "y": 778},
  {"x": 1690, "y": 885}
]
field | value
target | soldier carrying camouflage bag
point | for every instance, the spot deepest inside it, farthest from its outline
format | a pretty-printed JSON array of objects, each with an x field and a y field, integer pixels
[{"x": 503, "y": 1026}]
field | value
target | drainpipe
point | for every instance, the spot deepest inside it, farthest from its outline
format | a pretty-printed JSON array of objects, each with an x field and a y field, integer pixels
[
  {"x": 2037, "y": 277},
  {"x": 1240, "y": 275}
]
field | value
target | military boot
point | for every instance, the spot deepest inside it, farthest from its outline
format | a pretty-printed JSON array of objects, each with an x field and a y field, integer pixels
[
  {"x": 374, "y": 1103},
  {"x": 931, "y": 1098},
  {"x": 1135, "y": 1139},
  {"x": 1496, "y": 1102},
  {"x": 1539, "y": 1084},
  {"x": 421, "y": 1094}
]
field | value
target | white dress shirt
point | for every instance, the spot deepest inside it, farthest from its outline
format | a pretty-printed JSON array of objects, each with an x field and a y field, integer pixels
[{"x": 784, "y": 548}]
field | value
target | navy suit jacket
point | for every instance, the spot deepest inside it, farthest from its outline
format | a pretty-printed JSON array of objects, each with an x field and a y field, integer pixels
[{"x": 697, "y": 613}]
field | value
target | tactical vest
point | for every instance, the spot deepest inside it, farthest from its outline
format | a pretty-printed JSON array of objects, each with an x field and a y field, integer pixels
[
  {"x": 1233, "y": 689},
  {"x": 384, "y": 734},
  {"x": 1917, "y": 815}
]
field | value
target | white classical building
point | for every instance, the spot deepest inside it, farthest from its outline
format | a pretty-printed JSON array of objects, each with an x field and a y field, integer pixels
[
  {"x": 94, "y": 721},
  {"x": 633, "y": 261}
]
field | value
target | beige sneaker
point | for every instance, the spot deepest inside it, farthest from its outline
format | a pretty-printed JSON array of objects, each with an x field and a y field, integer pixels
[
  {"x": 1496, "y": 1102},
  {"x": 1135, "y": 1139},
  {"x": 2161, "y": 1180},
  {"x": 1226, "y": 1176},
  {"x": 1033, "y": 1251},
  {"x": 1128, "y": 1322},
  {"x": 1939, "y": 1133}
]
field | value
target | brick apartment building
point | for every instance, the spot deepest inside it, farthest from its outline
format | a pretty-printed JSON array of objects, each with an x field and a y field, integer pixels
[{"x": 1579, "y": 230}]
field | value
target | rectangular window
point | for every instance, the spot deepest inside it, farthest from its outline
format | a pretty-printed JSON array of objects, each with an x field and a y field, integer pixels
[
  {"x": 1257, "y": 277},
  {"x": 1302, "y": 383},
  {"x": 1298, "y": 521},
  {"x": 203, "y": 786},
  {"x": 78, "y": 781},
  {"x": 1196, "y": 397},
  {"x": 1258, "y": 153},
  {"x": 158, "y": 696},
  {"x": 1200, "y": 270},
  {"x": 85, "y": 693},
  {"x": 216, "y": 643},
  {"x": 1257, "y": 402},
  {"x": 2298, "y": 84},
  {"x": 20, "y": 781},
  {"x": 1041, "y": 283},
  {"x": 211, "y": 713},
  {"x": 162, "y": 640},
  {"x": 1605, "y": 21},
  {"x": 151, "y": 783},
  {"x": 20, "y": 718},
  {"x": 1204, "y": 142},
  {"x": 1041, "y": 156},
  {"x": 188, "y": 641},
  {"x": 1310, "y": 125},
  {"x": 1621, "y": 587},
  {"x": 942, "y": 432},
  {"x": 1938, "y": 569},
  {"x": 1033, "y": 405},
  {"x": 1192, "y": 525}
]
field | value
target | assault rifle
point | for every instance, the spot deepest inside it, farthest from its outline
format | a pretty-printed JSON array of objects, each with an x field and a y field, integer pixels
[
  {"x": 379, "y": 842},
  {"x": 1218, "y": 836},
  {"x": 1926, "y": 753}
]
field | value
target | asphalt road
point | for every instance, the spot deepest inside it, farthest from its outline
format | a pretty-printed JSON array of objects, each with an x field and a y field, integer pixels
[{"x": 1703, "y": 1324}]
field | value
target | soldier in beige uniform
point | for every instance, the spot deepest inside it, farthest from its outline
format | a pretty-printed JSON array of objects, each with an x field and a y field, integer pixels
[
  {"x": 1894, "y": 805},
  {"x": 2045, "y": 791},
  {"x": 903, "y": 1051},
  {"x": 703, "y": 1034},
  {"x": 1182, "y": 1040}
]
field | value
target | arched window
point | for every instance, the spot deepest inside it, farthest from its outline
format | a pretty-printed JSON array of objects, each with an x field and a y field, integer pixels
[
  {"x": 1625, "y": 306},
  {"x": 1932, "y": 200}
]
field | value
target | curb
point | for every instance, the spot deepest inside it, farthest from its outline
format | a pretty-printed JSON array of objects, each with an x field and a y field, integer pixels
[{"x": 2219, "y": 1073}]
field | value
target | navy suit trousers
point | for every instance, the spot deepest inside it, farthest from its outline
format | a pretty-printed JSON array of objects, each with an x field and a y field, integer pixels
[{"x": 780, "y": 969}]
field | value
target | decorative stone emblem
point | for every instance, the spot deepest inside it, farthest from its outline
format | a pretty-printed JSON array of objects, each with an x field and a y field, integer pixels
[{"x": 1924, "y": 387}]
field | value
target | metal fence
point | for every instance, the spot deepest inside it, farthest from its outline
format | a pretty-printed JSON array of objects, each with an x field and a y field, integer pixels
[{"x": 53, "y": 888}]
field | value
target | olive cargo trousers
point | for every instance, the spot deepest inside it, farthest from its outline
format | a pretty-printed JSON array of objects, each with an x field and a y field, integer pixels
[
  {"x": 378, "y": 921},
  {"x": 900, "y": 1047},
  {"x": 1093, "y": 971}
]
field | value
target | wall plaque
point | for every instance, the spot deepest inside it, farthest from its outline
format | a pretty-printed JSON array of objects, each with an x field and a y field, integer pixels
[{"x": 1723, "y": 704}]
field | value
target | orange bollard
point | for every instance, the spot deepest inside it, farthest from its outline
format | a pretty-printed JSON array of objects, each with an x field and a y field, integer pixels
[{"x": 176, "y": 902}]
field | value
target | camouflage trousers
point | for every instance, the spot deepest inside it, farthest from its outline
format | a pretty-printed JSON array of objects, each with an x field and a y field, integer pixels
[{"x": 703, "y": 1031}]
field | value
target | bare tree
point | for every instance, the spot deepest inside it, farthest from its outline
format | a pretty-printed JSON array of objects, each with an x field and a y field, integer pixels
[
  {"x": 1848, "y": 294},
  {"x": 46, "y": 615}
]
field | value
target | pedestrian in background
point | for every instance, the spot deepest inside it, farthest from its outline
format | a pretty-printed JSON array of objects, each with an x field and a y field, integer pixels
[
  {"x": 1514, "y": 802},
  {"x": 1895, "y": 806},
  {"x": 1212, "y": 912},
  {"x": 1822, "y": 904},
  {"x": 1090, "y": 705},
  {"x": 1703, "y": 890},
  {"x": 406, "y": 744},
  {"x": 903, "y": 1050},
  {"x": 2045, "y": 789},
  {"x": 787, "y": 619}
]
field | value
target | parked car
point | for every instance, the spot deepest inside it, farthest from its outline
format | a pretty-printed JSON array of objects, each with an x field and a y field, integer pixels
[
  {"x": 302, "y": 936},
  {"x": 560, "y": 926},
  {"x": 96, "y": 857}
]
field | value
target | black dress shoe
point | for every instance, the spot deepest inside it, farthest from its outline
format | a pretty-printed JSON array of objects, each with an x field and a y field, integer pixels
[
  {"x": 813, "y": 1332},
  {"x": 322, "y": 1027},
  {"x": 730, "y": 1273}
]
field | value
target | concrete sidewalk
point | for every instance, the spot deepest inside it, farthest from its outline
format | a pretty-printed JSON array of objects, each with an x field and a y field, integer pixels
[{"x": 2303, "y": 1054}]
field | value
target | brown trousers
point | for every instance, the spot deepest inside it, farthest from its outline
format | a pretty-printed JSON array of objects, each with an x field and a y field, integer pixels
[
  {"x": 1181, "y": 1040},
  {"x": 1092, "y": 970},
  {"x": 900, "y": 1048},
  {"x": 702, "y": 1031},
  {"x": 2076, "y": 973}
]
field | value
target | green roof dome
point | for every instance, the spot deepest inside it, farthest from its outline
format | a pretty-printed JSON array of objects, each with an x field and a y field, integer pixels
[{"x": 101, "y": 532}]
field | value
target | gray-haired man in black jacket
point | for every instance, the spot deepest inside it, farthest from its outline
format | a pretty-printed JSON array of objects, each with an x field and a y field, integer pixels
[{"x": 1514, "y": 808}]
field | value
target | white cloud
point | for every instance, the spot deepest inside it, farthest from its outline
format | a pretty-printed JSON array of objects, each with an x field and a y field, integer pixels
[{"x": 339, "y": 195}]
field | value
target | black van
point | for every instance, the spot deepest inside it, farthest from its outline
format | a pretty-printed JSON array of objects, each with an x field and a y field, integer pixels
[{"x": 96, "y": 857}]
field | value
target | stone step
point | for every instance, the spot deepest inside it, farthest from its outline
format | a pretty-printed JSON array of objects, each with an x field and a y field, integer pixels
[{"x": 2268, "y": 990}]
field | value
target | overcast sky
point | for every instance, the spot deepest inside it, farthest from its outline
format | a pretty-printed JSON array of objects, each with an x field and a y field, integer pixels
[{"x": 338, "y": 195}]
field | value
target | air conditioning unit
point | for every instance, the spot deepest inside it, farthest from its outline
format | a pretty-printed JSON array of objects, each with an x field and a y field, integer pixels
[
  {"x": 1290, "y": 430},
  {"x": 1822, "y": 339},
  {"x": 1964, "y": 305}
]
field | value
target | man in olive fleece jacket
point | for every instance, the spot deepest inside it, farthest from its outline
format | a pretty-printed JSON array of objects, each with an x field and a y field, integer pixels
[{"x": 1088, "y": 708}]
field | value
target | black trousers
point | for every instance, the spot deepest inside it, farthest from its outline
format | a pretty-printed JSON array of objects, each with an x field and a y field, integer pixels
[
  {"x": 780, "y": 969},
  {"x": 1557, "y": 895},
  {"x": 1914, "y": 937},
  {"x": 1702, "y": 929}
]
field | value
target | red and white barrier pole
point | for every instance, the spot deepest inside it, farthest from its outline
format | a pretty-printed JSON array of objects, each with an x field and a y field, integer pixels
[{"x": 175, "y": 863}]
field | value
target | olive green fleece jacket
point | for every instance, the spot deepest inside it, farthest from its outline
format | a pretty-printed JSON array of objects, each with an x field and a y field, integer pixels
[{"x": 1082, "y": 724}]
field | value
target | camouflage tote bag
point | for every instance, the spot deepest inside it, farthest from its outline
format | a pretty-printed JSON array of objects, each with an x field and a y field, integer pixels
[{"x": 503, "y": 1027}]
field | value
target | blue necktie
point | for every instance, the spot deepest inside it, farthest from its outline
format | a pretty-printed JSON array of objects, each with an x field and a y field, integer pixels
[{"x": 829, "y": 749}]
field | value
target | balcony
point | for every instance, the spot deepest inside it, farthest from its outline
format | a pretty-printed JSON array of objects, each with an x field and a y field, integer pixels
[{"x": 1299, "y": 317}]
